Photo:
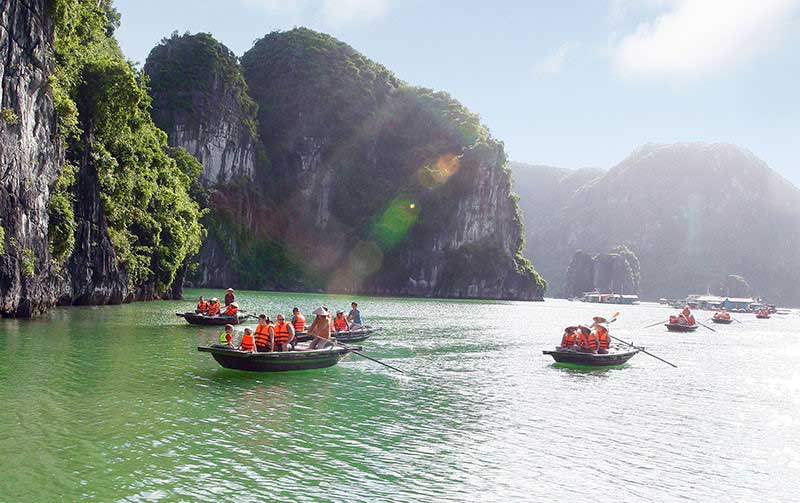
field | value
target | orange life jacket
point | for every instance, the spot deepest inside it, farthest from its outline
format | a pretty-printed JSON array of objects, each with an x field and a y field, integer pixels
[
  {"x": 602, "y": 338},
  {"x": 568, "y": 340},
  {"x": 247, "y": 342},
  {"x": 231, "y": 310},
  {"x": 262, "y": 335},
  {"x": 591, "y": 341},
  {"x": 581, "y": 341},
  {"x": 202, "y": 306},
  {"x": 299, "y": 323},
  {"x": 673, "y": 320},
  {"x": 690, "y": 319},
  {"x": 340, "y": 323},
  {"x": 281, "y": 333},
  {"x": 213, "y": 309}
]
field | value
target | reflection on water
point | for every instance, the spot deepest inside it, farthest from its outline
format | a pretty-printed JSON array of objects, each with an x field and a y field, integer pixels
[{"x": 115, "y": 403}]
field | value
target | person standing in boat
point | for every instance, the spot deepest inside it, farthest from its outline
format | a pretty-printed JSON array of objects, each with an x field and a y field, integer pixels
[
  {"x": 280, "y": 334},
  {"x": 202, "y": 306},
  {"x": 230, "y": 298},
  {"x": 601, "y": 333},
  {"x": 340, "y": 322},
  {"x": 298, "y": 320},
  {"x": 226, "y": 337},
  {"x": 568, "y": 339},
  {"x": 262, "y": 334},
  {"x": 320, "y": 329},
  {"x": 354, "y": 317},
  {"x": 214, "y": 307}
]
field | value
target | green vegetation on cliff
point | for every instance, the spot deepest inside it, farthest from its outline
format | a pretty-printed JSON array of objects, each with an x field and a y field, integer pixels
[{"x": 103, "y": 114}]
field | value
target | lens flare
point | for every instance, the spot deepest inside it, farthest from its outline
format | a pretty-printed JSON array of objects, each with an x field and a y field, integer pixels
[
  {"x": 437, "y": 173},
  {"x": 395, "y": 222}
]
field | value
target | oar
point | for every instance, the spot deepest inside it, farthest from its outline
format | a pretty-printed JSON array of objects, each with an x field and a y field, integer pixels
[
  {"x": 643, "y": 351},
  {"x": 367, "y": 357},
  {"x": 654, "y": 324},
  {"x": 737, "y": 321},
  {"x": 702, "y": 325}
]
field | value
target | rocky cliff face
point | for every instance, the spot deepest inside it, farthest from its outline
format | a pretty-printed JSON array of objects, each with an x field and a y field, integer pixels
[
  {"x": 200, "y": 99},
  {"x": 693, "y": 214},
  {"x": 614, "y": 272},
  {"x": 30, "y": 159},
  {"x": 371, "y": 185}
]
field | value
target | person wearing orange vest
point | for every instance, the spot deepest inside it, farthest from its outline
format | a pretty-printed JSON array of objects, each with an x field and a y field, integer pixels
[
  {"x": 722, "y": 315},
  {"x": 280, "y": 334},
  {"x": 686, "y": 317},
  {"x": 603, "y": 341},
  {"x": 202, "y": 306},
  {"x": 213, "y": 307},
  {"x": 568, "y": 340},
  {"x": 231, "y": 309},
  {"x": 248, "y": 341},
  {"x": 340, "y": 322},
  {"x": 298, "y": 320},
  {"x": 320, "y": 329},
  {"x": 262, "y": 333},
  {"x": 587, "y": 340}
]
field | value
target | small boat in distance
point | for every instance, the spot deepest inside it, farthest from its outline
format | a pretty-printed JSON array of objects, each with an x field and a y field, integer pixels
[
  {"x": 359, "y": 335},
  {"x": 677, "y": 327},
  {"x": 579, "y": 359},
  {"x": 277, "y": 361},
  {"x": 723, "y": 321},
  {"x": 202, "y": 319}
]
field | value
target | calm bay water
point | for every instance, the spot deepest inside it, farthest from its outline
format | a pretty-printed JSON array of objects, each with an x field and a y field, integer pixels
[{"x": 115, "y": 404}]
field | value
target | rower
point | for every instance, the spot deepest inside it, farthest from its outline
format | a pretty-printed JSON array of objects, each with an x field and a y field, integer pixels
[
  {"x": 262, "y": 334},
  {"x": 226, "y": 337},
  {"x": 298, "y": 320},
  {"x": 601, "y": 332},
  {"x": 213, "y": 307},
  {"x": 230, "y": 298},
  {"x": 340, "y": 322},
  {"x": 280, "y": 334},
  {"x": 248, "y": 341},
  {"x": 320, "y": 329},
  {"x": 202, "y": 306},
  {"x": 568, "y": 339},
  {"x": 231, "y": 309},
  {"x": 354, "y": 317}
]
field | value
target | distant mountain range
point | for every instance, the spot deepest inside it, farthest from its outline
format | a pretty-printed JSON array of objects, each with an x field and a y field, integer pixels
[{"x": 693, "y": 213}]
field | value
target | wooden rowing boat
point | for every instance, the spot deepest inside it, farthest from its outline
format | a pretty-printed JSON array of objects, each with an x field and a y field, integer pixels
[
  {"x": 202, "y": 319},
  {"x": 677, "y": 327},
  {"x": 580, "y": 359},
  {"x": 344, "y": 336},
  {"x": 722, "y": 321},
  {"x": 762, "y": 316},
  {"x": 279, "y": 361}
]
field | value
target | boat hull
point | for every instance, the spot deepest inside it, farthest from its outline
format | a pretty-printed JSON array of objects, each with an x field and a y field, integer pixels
[
  {"x": 762, "y": 317},
  {"x": 200, "y": 319},
  {"x": 349, "y": 336},
  {"x": 675, "y": 327},
  {"x": 276, "y": 362},
  {"x": 722, "y": 321},
  {"x": 577, "y": 358}
]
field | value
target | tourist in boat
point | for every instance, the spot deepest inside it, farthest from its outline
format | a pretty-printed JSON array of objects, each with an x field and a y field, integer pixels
[
  {"x": 587, "y": 340},
  {"x": 226, "y": 337},
  {"x": 340, "y": 322},
  {"x": 280, "y": 334},
  {"x": 722, "y": 315},
  {"x": 214, "y": 307},
  {"x": 248, "y": 341},
  {"x": 230, "y": 298},
  {"x": 568, "y": 339},
  {"x": 262, "y": 334},
  {"x": 202, "y": 306},
  {"x": 686, "y": 317},
  {"x": 320, "y": 329},
  {"x": 298, "y": 320},
  {"x": 601, "y": 333},
  {"x": 354, "y": 317},
  {"x": 231, "y": 309}
]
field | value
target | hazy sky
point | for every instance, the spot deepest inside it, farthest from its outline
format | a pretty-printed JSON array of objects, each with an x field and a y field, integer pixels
[{"x": 570, "y": 83}]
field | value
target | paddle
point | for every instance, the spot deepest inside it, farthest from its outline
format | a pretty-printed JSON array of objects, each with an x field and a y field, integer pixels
[
  {"x": 654, "y": 324},
  {"x": 703, "y": 325},
  {"x": 367, "y": 357},
  {"x": 643, "y": 351}
]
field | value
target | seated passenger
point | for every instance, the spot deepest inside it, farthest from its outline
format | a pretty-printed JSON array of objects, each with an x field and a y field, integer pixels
[
  {"x": 568, "y": 339},
  {"x": 202, "y": 306},
  {"x": 298, "y": 320},
  {"x": 320, "y": 329},
  {"x": 226, "y": 338},
  {"x": 280, "y": 334},
  {"x": 232, "y": 309},
  {"x": 340, "y": 322},
  {"x": 214, "y": 307},
  {"x": 587, "y": 340},
  {"x": 354, "y": 317},
  {"x": 601, "y": 332},
  {"x": 248, "y": 341},
  {"x": 262, "y": 333}
]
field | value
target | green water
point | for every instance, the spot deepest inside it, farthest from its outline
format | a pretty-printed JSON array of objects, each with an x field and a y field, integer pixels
[{"x": 115, "y": 404}]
